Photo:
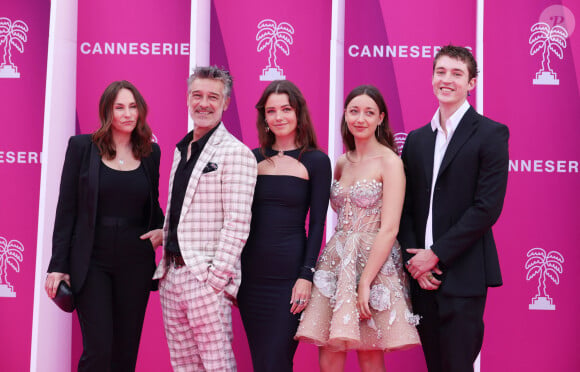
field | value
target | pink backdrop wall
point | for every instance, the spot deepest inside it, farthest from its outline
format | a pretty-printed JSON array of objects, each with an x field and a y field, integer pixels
[
  {"x": 147, "y": 43},
  {"x": 541, "y": 209},
  {"x": 391, "y": 45},
  {"x": 21, "y": 120}
]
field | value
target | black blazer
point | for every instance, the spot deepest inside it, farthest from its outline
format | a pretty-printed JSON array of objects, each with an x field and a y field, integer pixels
[
  {"x": 76, "y": 212},
  {"x": 467, "y": 200}
]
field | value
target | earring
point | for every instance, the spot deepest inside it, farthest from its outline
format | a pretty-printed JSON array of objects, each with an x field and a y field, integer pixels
[
  {"x": 468, "y": 94},
  {"x": 267, "y": 129}
]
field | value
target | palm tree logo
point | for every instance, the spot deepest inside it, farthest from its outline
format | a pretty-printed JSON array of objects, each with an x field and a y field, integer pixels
[
  {"x": 10, "y": 254},
  {"x": 400, "y": 139},
  {"x": 277, "y": 37},
  {"x": 543, "y": 265},
  {"x": 548, "y": 40},
  {"x": 12, "y": 34}
]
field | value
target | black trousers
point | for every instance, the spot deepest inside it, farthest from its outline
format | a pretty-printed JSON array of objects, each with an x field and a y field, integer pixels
[
  {"x": 111, "y": 304},
  {"x": 451, "y": 329}
]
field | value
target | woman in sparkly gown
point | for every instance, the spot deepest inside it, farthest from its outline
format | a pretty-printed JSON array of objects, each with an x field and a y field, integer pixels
[
  {"x": 279, "y": 257},
  {"x": 360, "y": 296}
]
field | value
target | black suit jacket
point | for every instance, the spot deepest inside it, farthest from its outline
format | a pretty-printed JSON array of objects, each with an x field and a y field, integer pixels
[
  {"x": 467, "y": 200},
  {"x": 76, "y": 212}
]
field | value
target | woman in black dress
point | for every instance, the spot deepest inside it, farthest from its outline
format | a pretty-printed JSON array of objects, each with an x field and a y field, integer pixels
[
  {"x": 107, "y": 226},
  {"x": 279, "y": 258}
]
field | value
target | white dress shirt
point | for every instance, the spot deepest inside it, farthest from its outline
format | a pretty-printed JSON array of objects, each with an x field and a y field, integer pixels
[{"x": 441, "y": 143}]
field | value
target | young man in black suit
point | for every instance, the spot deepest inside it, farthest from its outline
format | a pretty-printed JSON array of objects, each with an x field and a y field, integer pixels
[{"x": 457, "y": 169}]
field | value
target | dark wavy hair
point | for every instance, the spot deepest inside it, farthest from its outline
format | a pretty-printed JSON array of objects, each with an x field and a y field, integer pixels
[
  {"x": 141, "y": 135},
  {"x": 383, "y": 134},
  {"x": 305, "y": 137},
  {"x": 460, "y": 53}
]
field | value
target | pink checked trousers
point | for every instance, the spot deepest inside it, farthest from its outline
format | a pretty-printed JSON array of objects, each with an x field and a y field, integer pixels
[{"x": 198, "y": 323}]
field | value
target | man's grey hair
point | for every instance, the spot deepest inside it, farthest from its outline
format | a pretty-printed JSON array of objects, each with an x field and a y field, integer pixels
[{"x": 215, "y": 73}]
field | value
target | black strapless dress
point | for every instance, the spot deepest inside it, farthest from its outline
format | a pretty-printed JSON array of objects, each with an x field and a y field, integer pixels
[{"x": 277, "y": 253}]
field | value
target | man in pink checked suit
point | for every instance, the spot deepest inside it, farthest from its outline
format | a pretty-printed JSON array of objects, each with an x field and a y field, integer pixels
[{"x": 206, "y": 226}]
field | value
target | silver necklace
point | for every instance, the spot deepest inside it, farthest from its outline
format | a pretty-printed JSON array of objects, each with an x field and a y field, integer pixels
[{"x": 281, "y": 152}]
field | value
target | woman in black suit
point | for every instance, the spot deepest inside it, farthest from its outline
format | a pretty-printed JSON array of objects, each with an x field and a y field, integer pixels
[{"x": 108, "y": 223}]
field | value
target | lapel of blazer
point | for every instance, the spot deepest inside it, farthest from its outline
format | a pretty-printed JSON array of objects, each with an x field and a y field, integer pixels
[
  {"x": 465, "y": 129},
  {"x": 427, "y": 146},
  {"x": 147, "y": 165},
  {"x": 148, "y": 169},
  {"x": 93, "y": 186},
  {"x": 206, "y": 155}
]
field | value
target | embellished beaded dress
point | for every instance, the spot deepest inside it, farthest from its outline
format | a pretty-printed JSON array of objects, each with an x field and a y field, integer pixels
[{"x": 331, "y": 318}]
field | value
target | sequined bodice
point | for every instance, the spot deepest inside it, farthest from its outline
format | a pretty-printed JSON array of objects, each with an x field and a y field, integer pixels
[{"x": 358, "y": 206}]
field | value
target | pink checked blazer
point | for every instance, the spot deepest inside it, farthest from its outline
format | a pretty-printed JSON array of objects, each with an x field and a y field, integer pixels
[{"x": 215, "y": 218}]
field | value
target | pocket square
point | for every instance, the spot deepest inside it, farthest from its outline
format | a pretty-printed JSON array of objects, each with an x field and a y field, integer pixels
[{"x": 210, "y": 167}]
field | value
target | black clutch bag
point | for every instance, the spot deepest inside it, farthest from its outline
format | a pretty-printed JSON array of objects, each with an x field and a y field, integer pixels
[{"x": 64, "y": 297}]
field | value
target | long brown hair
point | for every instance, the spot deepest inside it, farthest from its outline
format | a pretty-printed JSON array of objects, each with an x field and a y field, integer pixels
[
  {"x": 383, "y": 134},
  {"x": 305, "y": 136},
  {"x": 141, "y": 135}
]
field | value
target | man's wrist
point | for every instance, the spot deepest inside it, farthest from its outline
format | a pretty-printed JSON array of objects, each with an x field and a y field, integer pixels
[{"x": 433, "y": 255}]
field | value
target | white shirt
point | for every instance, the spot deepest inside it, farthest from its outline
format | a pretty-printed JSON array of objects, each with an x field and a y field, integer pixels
[{"x": 441, "y": 143}]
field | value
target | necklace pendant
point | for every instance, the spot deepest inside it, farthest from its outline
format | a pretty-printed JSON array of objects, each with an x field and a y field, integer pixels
[
  {"x": 280, "y": 153},
  {"x": 121, "y": 161}
]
